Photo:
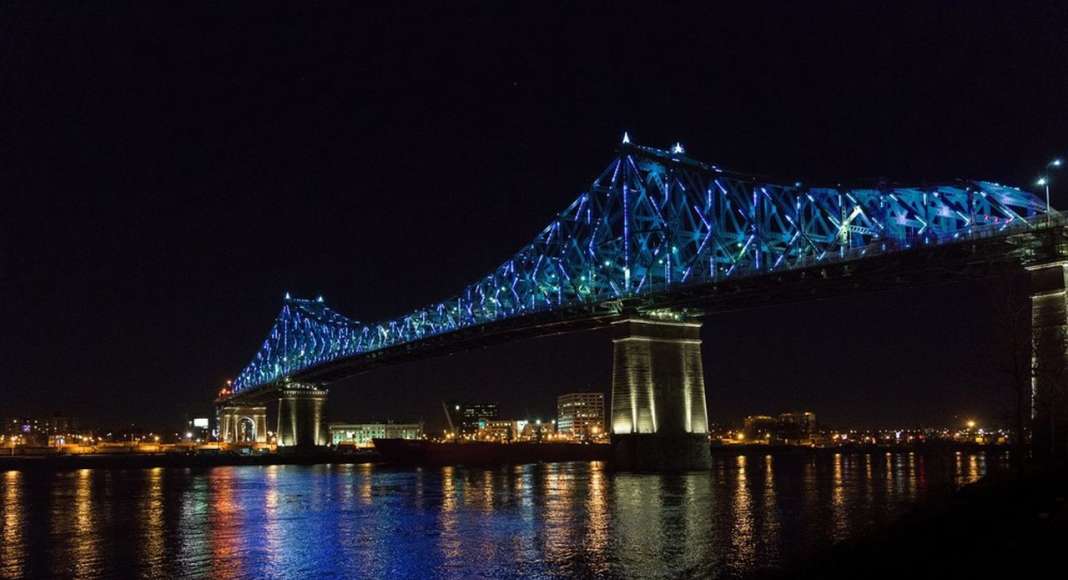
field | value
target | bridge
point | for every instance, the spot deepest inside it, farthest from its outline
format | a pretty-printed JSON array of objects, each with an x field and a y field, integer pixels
[{"x": 657, "y": 240}]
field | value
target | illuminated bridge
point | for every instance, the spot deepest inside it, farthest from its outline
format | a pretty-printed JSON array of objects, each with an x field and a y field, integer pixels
[{"x": 657, "y": 239}]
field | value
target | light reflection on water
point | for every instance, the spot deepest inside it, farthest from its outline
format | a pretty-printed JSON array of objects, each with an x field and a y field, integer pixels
[
  {"x": 547, "y": 520},
  {"x": 153, "y": 553},
  {"x": 12, "y": 547}
]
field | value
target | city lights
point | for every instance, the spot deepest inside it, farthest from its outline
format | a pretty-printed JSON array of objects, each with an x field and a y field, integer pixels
[{"x": 800, "y": 429}]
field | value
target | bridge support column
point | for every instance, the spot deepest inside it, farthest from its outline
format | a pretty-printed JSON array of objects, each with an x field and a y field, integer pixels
[
  {"x": 242, "y": 423},
  {"x": 1049, "y": 358},
  {"x": 300, "y": 416},
  {"x": 659, "y": 417}
]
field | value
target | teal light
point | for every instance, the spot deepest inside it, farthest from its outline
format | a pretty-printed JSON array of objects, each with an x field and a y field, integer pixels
[{"x": 666, "y": 221}]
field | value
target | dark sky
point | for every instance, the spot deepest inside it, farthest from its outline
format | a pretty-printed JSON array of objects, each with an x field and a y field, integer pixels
[{"x": 168, "y": 171}]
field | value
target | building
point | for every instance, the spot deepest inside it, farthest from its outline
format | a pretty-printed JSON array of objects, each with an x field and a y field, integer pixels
[
  {"x": 55, "y": 425},
  {"x": 759, "y": 428},
  {"x": 580, "y": 415},
  {"x": 465, "y": 419},
  {"x": 536, "y": 431},
  {"x": 501, "y": 430},
  {"x": 38, "y": 431},
  {"x": 793, "y": 428},
  {"x": 362, "y": 434},
  {"x": 198, "y": 428},
  {"x": 796, "y": 427}
]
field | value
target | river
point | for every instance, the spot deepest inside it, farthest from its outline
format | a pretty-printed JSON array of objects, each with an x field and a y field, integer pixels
[{"x": 748, "y": 513}]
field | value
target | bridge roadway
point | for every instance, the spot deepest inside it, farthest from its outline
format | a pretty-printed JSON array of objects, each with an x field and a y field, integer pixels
[{"x": 658, "y": 412}]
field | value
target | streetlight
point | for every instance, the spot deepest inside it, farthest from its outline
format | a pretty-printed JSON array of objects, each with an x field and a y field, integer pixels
[
  {"x": 1044, "y": 182},
  {"x": 1047, "y": 182}
]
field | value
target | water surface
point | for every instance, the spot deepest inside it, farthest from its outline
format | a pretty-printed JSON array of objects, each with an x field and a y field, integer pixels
[{"x": 747, "y": 513}]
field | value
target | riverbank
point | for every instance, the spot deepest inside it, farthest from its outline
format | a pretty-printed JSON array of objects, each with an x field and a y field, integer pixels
[
  {"x": 416, "y": 452},
  {"x": 423, "y": 453},
  {"x": 1004, "y": 526},
  {"x": 927, "y": 446},
  {"x": 146, "y": 460}
]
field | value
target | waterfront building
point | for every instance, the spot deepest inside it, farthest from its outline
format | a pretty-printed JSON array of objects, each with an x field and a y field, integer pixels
[
  {"x": 791, "y": 428},
  {"x": 758, "y": 428},
  {"x": 466, "y": 419},
  {"x": 38, "y": 431},
  {"x": 501, "y": 430},
  {"x": 580, "y": 415},
  {"x": 199, "y": 428},
  {"x": 537, "y": 431},
  {"x": 797, "y": 427},
  {"x": 362, "y": 434},
  {"x": 56, "y": 424}
]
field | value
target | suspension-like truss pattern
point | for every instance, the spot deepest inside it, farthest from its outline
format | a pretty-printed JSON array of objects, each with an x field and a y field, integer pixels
[{"x": 652, "y": 222}]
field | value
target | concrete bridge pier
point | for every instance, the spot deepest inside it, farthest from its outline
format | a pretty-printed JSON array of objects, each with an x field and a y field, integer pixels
[
  {"x": 300, "y": 416},
  {"x": 1049, "y": 358},
  {"x": 242, "y": 424},
  {"x": 659, "y": 417}
]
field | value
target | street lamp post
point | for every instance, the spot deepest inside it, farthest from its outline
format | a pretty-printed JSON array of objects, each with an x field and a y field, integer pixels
[{"x": 1046, "y": 181}]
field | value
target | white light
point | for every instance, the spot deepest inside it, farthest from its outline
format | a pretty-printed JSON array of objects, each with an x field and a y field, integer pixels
[
  {"x": 626, "y": 138},
  {"x": 1041, "y": 181},
  {"x": 287, "y": 295},
  {"x": 677, "y": 148},
  {"x": 1056, "y": 163}
]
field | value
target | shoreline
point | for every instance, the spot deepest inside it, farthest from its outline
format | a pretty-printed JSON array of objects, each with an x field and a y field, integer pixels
[
  {"x": 531, "y": 455},
  {"x": 145, "y": 461}
]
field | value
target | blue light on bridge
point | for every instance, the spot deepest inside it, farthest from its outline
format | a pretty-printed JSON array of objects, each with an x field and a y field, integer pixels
[{"x": 655, "y": 221}]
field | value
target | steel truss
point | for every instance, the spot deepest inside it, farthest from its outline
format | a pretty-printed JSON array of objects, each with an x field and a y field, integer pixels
[{"x": 656, "y": 221}]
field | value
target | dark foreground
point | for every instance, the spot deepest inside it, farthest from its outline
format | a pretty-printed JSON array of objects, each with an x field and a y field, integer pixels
[{"x": 1002, "y": 526}]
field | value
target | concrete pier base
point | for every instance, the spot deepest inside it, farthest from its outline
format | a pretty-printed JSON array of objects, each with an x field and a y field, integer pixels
[
  {"x": 655, "y": 452},
  {"x": 1049, "y": 359},
  {"x": 659, "y": 415},
  {"x": 300, "y": 416}
]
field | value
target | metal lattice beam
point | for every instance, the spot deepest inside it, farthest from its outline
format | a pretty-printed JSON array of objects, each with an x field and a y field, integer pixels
[{"x": 653, "y": 222}]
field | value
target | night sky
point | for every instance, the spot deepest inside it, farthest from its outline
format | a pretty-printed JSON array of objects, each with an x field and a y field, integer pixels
[{"x": 169, "y": 171}]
